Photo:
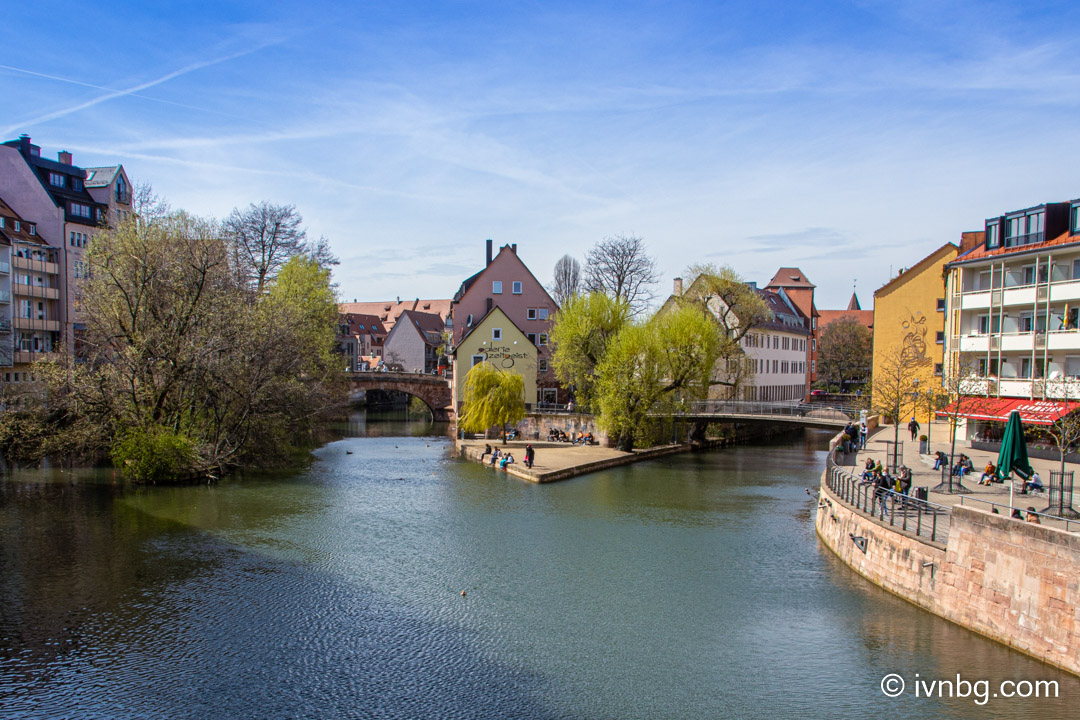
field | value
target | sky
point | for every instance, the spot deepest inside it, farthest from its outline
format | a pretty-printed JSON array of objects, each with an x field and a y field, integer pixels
[{"x": 849, "y": 139}]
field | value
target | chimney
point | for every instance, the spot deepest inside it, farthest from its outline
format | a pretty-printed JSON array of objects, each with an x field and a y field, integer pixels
[
  {"x": 24, "y": 145},
  {"x": 64, "y": 157},
  {"x": 513, "y": 248},
  {"x": 677, "y": 290},
  {"x": 488, "y": 252}
]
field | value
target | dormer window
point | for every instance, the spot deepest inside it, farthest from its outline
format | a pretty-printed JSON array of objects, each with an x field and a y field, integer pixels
[
  {"x": 1024, "y": 229},
  {"x": 57, "y": 179},
  {"x": 17, "y": 226},
  {"x": 32, "y": 229},
  {"x": 993, "y": 234},
  {"x": 1074, "y": 219}
]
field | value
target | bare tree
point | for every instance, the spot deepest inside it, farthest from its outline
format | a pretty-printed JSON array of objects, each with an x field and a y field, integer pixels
[
  {"x": 844, "y": 353},
  {"x": 894, "y": 385},
  {"x": 619, "y": 267},
  {"x": 263, "y": 238},
  {"x": 964, "y": 393},
  {"x": 320, "y": 252},
  {"x": 567, "y": 281}
]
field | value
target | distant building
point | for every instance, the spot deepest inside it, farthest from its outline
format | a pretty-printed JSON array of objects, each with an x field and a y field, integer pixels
[
  {"x": 29, "y": 296},
  {"x": 496, "y": 339},
  {"x": 854, "y": 312},
  {"x": 776, "y": 351},
  {"x": 415, "y": 342},
  {"x": 1013, "y": 316},
  {"x": 388, "y": 311},
  {"x": 506, "y": 283},
  {"x": 360, "y": 340},
  {"x": 909, "y": 322}
]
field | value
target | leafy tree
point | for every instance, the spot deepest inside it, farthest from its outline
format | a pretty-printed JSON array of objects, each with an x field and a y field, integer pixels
[
  {"x": 567, "y": 281},
  {"x": 844, "y": 352},
  {"x": 580, "y": 334},
  {"x": 737, "y": 309},
  {"x": 492, "y": 398},
  {"x": 620, "y": 267},
  {"x": 184, "y": 362},
  {"x": 629, "y": 384}
]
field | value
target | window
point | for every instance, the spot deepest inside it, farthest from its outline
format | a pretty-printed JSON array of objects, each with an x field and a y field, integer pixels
[
  {"x": 33, "y": 229},
  {"x": 941, "y": 304},
  {"x": 80, "y": 210},
  {"x": 940, "y": 338},
  {"x": 2, "y": 227},
  {"x": 813, "y": 344},
  {"x": 1025, "y": 367},
  {"x": 531, "y": 314},
  {"x": 516, "y": 287},
  {"x": 477, "y": 359},
  {"x": 542, "y": 338},
  {"x": 532, "y": 337},
  {"x": 1027, "y": 323},
  {"x": 1074, "y": 220},
  {"x": 542, "y": 313},
  {"x": 1029, "y": 274},
  {"x": 937, "y": 369},
  {"x": 542, "y": 365},
  {"x": 496, "y": 333},
  {"x": 17, "y": 226},
  {"x": 496, "y": 287},
  {"x": 56, "y": 179},
  {"x": 993, "y": 234},
  {"x": 468, "y": 321},
  {"x": 1072, "y": 366},
  {"x": 76, "y": 183}
]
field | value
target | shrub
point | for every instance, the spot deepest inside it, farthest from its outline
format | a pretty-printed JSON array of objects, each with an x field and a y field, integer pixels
[{"x": 147, "y": 455}]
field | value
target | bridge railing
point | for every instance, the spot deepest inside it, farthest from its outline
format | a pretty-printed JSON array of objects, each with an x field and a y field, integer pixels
[
  {"x": 921, "y": 517},
  {"x": 751, "y": 407}
]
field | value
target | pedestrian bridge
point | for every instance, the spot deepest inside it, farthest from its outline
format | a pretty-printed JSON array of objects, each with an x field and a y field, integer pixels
[
  {"x": 803, "y": 414},
  {"x": 432, "y": 390}
]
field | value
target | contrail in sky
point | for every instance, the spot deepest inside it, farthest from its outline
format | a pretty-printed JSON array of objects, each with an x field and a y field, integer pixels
[{"x": 111, "y": 94}]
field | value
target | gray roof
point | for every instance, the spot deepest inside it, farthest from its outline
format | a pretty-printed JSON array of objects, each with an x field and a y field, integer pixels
[{"x": 100, "y": 176}]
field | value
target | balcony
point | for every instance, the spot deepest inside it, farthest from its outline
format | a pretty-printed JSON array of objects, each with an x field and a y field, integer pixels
[
  {"x": 22, "y": 323},
  {"x": 35, "y": 291},
  {"x": 22, "y": 263},
  {"x": 29, "y": 356}
]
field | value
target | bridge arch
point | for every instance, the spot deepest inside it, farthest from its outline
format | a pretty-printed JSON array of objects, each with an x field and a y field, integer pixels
[{"x": 432, "y": 390}]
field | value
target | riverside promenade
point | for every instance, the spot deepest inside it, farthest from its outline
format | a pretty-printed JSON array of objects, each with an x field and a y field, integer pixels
[
  {"x": 560, "y": 460},
  {"x": 981, "y": 497}
]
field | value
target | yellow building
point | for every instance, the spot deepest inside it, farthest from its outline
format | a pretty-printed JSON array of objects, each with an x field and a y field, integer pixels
[
  {"x": 909, "y": 323},
  {"x": 497, "y": 340}
]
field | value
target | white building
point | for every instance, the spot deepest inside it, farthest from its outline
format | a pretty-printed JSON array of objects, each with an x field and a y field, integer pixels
[{"x": 1012, "y": 317}]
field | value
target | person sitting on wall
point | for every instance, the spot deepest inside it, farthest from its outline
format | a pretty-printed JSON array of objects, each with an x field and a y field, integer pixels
[
  {"x": 988, "y": 474},
  {"x": 940, "y": 459},
  {"x": 487, "y": 451},
  {"x": 1032, "y": 517},
  {"x": 494, "y": 456},
  {"x": 1016, "y": 514},
  {"x": 1033, "y": 484},
  {"x": 589, "y": 439},
  {"x": 868, "y": 471}
]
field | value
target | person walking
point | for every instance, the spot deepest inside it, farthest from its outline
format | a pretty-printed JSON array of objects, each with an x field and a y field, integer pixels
[
  {"x": 530, "y": 455},
  {"x": 913, "y": 426}
]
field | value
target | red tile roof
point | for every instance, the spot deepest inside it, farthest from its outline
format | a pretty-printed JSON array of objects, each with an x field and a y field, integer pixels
[{"x": 980, "y": 252}]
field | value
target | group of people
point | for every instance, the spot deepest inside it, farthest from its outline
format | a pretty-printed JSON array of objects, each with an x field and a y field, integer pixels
[
  {"x": 577, "y": 438},
  {"x": 503, "y": 459},
  {"x": 884, "y": 482},
  {"x": 855, "y": 436}
]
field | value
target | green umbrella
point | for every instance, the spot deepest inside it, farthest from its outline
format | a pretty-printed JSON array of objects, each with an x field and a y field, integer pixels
[{"x": 1013, "y": 457}]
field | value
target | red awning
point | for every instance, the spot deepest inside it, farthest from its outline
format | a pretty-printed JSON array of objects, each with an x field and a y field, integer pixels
[{"x": 1032, "y": 412}]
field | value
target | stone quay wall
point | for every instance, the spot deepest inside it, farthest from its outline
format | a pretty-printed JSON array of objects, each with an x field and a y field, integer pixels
[{"x": 1015, "y": 582}]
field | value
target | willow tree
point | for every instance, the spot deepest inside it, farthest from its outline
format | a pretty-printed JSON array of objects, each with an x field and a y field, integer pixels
[
  {"x": 491, "y": 398},
  {"x": 580, "y": 335}
]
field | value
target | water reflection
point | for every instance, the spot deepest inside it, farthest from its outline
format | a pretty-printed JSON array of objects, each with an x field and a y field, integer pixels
[{"x": 688, "y": 587}]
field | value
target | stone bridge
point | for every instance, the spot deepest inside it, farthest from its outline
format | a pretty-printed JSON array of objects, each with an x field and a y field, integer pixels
[{"x": 432, "y": 390}]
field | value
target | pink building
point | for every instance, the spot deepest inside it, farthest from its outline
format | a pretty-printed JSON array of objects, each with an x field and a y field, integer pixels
[{"x": 506, "y": 283}]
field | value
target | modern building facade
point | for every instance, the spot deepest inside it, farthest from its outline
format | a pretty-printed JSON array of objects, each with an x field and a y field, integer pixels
[
  {"x": 506, "y": 283},
  {"x": 1012, "y": 310},
  {"x": 30, "y": 323}
]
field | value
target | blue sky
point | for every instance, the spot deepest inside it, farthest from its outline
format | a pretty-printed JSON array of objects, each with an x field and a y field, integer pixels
[{"x": 849, "y": 139}]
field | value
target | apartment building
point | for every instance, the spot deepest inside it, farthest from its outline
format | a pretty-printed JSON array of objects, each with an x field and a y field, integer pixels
[
  {"x": 1013, "y": 318},
  {"x": 29, "y": 296},
  {"x": 68, "y": 204},
  {"x": 415, "y": 341}
]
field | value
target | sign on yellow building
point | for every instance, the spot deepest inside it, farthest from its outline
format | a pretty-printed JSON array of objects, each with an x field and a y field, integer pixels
[{"x": 496, "y": 340}]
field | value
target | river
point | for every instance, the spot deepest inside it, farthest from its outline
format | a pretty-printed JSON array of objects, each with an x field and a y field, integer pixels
[{"x": 687, "y": 587}]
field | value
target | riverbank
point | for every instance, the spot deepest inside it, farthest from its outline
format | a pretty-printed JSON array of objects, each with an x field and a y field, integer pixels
[
  {"x": 1013, "y": 581},
  {"x": 560, "y": 461}
]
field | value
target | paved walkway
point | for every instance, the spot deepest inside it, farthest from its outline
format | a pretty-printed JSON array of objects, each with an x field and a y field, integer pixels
[
  {"x": 558, "y": 461},
  {"x": 924, "y": 474}
]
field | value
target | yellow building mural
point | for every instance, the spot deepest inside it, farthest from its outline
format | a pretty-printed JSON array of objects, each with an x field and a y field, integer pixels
[
  {"x": 909, "y": 319},
  {"x": 496, "y": 340}
]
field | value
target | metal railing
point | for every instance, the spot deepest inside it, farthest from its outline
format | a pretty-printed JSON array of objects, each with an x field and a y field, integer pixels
[
  {"x": 752, "y": 407},
  {"x": 1005, "y": 510},
  {"x": 920, "y": 517}
]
